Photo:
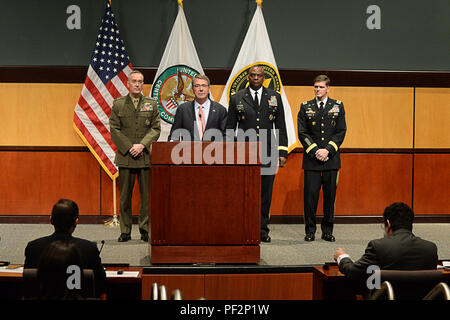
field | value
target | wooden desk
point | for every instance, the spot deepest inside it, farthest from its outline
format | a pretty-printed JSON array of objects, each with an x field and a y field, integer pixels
[
  {"x": 331, "y": 284},
  {"x": 123, "y": 288}
]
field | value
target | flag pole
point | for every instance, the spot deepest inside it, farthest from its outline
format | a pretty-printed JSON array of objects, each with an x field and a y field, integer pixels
[{"x": 113, "y": 222}]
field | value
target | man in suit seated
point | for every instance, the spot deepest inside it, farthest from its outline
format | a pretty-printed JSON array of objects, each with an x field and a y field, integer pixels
[
  {"x": 400, "y": 249},
  {"x": 64, "y": 218},
  {"x": 201, "y": 119}
]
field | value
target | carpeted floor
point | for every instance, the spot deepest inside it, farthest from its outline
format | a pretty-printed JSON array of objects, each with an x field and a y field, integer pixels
[{"x": 287, "y": 246}]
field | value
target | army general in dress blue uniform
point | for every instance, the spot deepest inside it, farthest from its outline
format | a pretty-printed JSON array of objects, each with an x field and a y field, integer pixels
[
  {"x": 321, "y": 131},
  {"x": 262, "y": 115}
]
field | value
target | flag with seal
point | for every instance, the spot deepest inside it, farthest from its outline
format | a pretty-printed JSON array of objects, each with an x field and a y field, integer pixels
[
  {"x": 172, "y": 85},
  {"x": 257, "y": 50}
]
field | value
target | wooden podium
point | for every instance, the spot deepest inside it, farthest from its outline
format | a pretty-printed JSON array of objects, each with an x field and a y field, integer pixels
[{"x": 205, "y": 202}]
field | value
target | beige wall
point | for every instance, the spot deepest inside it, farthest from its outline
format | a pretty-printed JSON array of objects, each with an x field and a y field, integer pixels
[
  {"x": 432, "y": 118},
  {"x": 42, "y": 114}
]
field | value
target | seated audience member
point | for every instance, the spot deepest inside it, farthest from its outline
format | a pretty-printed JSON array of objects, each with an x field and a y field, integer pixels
[
  {"x": 400, "y": 249},
  {"x": 53, "y": 272},
  {"x": 64, "y": 218}
]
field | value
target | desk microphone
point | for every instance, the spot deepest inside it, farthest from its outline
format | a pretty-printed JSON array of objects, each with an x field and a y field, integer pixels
[
  {"x": 101, "y": 248},
  {"x": 327, "y": 265}
]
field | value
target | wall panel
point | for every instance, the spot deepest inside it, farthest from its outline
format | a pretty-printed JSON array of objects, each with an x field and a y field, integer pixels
[
  {"x": 191, "y": 286},
  {"x": 367, "y": 183},
  {"x": 259, "y": 286},
  {"x": 370, "y": 182},
  {"x": 36, "y": 114},
  {"x": 376, "y": 117},
  {"x": 432, "y": 183},
  {"x": 432, "y": 118},
  {"x": 32, "y": 182}
]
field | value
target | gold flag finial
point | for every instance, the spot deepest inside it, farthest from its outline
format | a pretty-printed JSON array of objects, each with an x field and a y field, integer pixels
[
  {"x": 259, "y": 3},
  {"x": 180, "y": 2}
]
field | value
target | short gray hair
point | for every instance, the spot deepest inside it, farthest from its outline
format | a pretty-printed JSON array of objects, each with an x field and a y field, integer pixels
[
  {"x": 201, "y": 77},
  {"x": 136, "y": 71}
]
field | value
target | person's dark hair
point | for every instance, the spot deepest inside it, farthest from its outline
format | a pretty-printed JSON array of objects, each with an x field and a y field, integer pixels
[
  {"x": 64, "y": 215},
  {"x": 256, "y": 66},
  {"x": 322, "y": 78},
  {"x": 400, "y": 215},
  {"x": 53, "y": 273}
]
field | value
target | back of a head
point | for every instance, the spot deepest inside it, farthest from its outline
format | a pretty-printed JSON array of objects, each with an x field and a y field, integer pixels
[
  {"x": 400, "y": 216},
  {"x": 53, "y": 271},
  {"x": 64, "y": 215}
]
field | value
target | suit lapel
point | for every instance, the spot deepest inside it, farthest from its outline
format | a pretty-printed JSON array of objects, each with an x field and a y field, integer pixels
[
  {"x": 264, "y": 102},
  {"x": 192, "y": 118},
  {"x": 248, "y": 98},
  {"x": 129, "y": 104},
  {"x": 328, "y": 106},
  {"x": 192, "y": 111},
  {"x": 211, "y": 114}
]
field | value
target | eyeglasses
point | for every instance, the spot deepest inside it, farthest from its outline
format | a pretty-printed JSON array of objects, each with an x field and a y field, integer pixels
[
  {"x": 137, "y": 81},
  {"x": 201, "y": 85}
]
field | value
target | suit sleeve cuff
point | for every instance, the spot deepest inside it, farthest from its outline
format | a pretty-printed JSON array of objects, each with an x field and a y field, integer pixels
[
  {"x": 311, "y": 147},
  {"x": 283, "y": 151},
  {"x": 342, "y": 256}
]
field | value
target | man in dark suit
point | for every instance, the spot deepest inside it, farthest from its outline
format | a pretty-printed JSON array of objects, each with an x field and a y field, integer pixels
[
  {"x": 321, "y": 131},
  {"x": 260, "y": 117},
  {"x": 65, "y": 219},
  {"x": 201, "y": 119},
  {"x": 400, "y": 249}
]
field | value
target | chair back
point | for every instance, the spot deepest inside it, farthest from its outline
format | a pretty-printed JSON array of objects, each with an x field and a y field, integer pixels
[
  {"x": 410, "y": 284},
  {"x": 31, "y": 288},
  {"x": 386, "y": 291},
  {"x": 440, "y": 291}
]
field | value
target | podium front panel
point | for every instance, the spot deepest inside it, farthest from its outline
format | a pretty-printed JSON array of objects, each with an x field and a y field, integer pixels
[{"x": 205, "y": 205}]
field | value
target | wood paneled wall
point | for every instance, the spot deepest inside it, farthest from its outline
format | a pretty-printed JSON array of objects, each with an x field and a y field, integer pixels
[
  {"x": 432, "y": 118},
  {"x": 42, "y": 114},
  {"x": 378, "y": 119},
  {"x": 367, "y": 182}
]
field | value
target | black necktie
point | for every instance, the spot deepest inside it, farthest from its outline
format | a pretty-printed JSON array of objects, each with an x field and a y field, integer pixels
[
  {"x": 321, "y": 105},
  {"x": 256, "y": 99}
]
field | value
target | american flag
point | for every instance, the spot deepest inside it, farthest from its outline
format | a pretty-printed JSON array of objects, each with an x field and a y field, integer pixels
[
  {"x": 105, "y": 81},
  {"x": 171, "y": 104}
]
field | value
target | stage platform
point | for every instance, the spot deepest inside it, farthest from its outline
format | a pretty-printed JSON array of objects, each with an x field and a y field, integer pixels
[{"x": 287, "y": 249}]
